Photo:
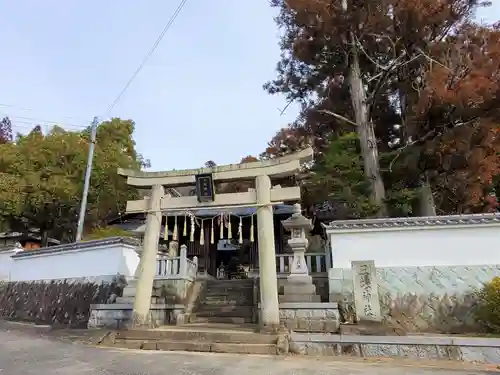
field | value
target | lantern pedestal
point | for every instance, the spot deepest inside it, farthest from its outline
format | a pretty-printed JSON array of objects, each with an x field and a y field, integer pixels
[{"x": 299, "y": 286}]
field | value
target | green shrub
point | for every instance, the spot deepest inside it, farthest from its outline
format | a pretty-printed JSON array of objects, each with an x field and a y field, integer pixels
[
  {"x": 487, "y": 310},
  {"x": 105, "y": 232}
]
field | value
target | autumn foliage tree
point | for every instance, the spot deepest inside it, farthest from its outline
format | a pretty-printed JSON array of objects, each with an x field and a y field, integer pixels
[
  {"x": 382, "y": 70},
  {"x": 459, "y": 105}
]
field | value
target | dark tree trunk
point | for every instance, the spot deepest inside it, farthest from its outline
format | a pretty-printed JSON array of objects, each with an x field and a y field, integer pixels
[{"x": 366, "y": 134}]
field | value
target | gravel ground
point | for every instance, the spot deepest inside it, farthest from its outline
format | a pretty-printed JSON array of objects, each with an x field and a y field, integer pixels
[{"x": 24, "y": 352}]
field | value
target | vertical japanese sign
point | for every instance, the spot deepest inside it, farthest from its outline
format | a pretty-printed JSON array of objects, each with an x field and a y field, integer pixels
[{"x": 366, "y": 296}]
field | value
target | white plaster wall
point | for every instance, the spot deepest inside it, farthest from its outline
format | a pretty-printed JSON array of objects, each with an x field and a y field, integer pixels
[
  {"x": 6, "y": 263},
  {"x": 99, "y": 262},
  {"x": 467, "y": 245}
]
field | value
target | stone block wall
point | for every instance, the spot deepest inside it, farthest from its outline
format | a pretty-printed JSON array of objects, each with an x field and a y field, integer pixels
[
  {"x": 310, "y": 317},
  {"x": 436, "y": 347},
  {"x": 116, "y": 316},
  {"x": 55, "y": 303},
  {"x": 174, "y": 291},
  {"x": 423, "y": 299},
  {"x": 320, "y": 282}
]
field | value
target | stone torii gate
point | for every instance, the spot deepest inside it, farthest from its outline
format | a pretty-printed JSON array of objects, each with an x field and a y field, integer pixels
[{"x": 264, "y": 197}]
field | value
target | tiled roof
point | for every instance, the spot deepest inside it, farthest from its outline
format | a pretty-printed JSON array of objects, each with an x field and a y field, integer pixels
[
  {"x": 403, "y": 222},
  {"x": 34, "y": 234},
  {"x": 79, "y": 245}
]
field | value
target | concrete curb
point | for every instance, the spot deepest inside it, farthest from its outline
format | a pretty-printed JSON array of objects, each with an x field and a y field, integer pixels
[
  {"x": 466, "y": 349},
  {"x": 397, "y": 340}
]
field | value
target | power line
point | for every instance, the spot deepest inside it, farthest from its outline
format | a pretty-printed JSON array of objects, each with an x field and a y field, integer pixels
[
  {"x": 24, "y": 109},
  {"x": 30, "y": 125},
  {"x": 127, "y": 85},
  {"x": 146, "y": 58},
  {"x": 35, "y": 120}
]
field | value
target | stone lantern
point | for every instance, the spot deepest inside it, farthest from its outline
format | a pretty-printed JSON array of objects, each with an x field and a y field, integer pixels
[{"x": 299, "y": 286}]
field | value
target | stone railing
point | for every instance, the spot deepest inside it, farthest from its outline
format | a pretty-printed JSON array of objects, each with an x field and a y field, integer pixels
[
  {"x": 317, "y": 263},
  {"x": 180, "y": 267}
]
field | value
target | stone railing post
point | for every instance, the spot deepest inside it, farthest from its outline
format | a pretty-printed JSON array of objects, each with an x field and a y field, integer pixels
[{"x": 183, "y": 261}]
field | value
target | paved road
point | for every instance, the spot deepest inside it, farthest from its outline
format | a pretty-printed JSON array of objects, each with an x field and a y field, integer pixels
[{"x": 24, "y": 353}]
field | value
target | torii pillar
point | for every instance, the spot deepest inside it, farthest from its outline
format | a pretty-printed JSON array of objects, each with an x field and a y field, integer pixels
[
  {"x": 269, "y": 306},
  {"x": 146, "y": 269}
]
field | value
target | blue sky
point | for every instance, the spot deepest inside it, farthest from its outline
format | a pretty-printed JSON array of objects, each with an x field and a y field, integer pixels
[{"x": 199, "y": 97}]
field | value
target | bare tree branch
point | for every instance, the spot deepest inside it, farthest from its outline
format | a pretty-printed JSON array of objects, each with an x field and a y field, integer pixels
[
  {"x": 400, "y": 150},
  {"x": 360, "y": 47},
  {"x": 395, "y": 65},
  {"x": 282, "y": 111},
  {"x": 433, "y": 60},
  {"x": 336, "y": 115}
]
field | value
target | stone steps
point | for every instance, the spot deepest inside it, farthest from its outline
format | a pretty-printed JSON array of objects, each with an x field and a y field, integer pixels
[
  {"x": 230, "y": 282},
  {"x": 215, "y": 301},
  {"x": 223, "y": 305},
  {"x": 220, "y": 319},
  {"x": 237, "y": 295},
  {"x": 237, "y": 312},
  {"x": 198, "y": 333},
  {"x": 233, "y": 295},
  {"x": 194, "y": 346},
  {"x": 230, "y": 285},
  {"x": 221, "y": 339},
  {"x": 229, "y": 290},
  {"x": 225, "y": 301}
]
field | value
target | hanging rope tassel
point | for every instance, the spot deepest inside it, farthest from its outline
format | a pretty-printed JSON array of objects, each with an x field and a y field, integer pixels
[
  {"x": 184, "y": 232},
  {"x": 229, "y": 229},
  {"x": 202, "y": 234},
  {"x": 221, "y": 234},
  {"x": 191, "y": 237},
  {"x": 165, "y": 233},
  {"x": 212, "y": 235},
  {"x": 174, "y": 235},
  {"x": 240, "y": 231},
  {"x": 252, "y": 239}
]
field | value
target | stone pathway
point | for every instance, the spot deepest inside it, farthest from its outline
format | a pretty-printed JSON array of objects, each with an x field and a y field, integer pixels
[{"x": 24, "y": 352}]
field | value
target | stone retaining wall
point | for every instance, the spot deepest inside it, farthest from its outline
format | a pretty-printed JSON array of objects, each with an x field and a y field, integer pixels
[
  {"x": 479, "y": 350},
  {"x": 173, "y": 290},
  {"x": 423, "y": 299},
  {"x": 310, "y": 316},
  {"x": 54, "y": 303},
  {"x": 115, "y": 316}
]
